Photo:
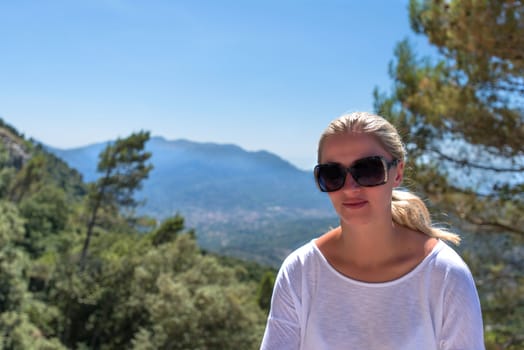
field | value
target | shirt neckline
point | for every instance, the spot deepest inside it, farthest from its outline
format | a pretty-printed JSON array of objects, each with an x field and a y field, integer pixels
[{"x": 440, "y": 244}]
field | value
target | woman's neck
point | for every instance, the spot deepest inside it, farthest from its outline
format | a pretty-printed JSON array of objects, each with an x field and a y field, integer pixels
[
  {"x": 374, "y": 253},
  {"x": 368, "y": 244}
]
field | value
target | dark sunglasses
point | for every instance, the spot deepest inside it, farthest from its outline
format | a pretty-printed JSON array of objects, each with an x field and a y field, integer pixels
[{"x": 367, "y": 172}]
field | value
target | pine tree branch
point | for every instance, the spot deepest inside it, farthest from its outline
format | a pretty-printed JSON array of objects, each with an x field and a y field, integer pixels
[
  {"x": 465, "y": 162},
  {"x": 494, "y": 224}
]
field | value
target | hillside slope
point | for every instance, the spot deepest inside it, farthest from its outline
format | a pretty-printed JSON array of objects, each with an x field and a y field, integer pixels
[{"x": 233, "y": 197}]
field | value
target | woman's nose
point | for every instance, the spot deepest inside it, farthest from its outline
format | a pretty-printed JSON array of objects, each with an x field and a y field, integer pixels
[{"x": 350, "y": 183}]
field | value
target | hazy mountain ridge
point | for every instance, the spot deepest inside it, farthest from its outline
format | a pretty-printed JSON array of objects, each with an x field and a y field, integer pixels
[{"x": 239, "y": 201}]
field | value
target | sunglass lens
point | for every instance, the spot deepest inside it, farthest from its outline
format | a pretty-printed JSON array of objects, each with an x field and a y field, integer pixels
[
  {"x": 369, "y": 171},
  {"x": 331, "y": 177}
]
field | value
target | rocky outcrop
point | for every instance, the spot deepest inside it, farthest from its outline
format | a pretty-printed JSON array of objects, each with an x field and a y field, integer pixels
[{"x": 18, "y": 155}]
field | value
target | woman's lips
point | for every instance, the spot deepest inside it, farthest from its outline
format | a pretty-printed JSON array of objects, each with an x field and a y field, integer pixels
[{"x": 356, "y": 204}]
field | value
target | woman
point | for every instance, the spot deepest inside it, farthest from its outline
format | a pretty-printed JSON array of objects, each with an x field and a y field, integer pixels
[{"x": 383, "y": 279}]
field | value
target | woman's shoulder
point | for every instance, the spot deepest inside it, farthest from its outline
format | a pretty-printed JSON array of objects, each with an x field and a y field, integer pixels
[
  {"x": 447, "y": 257},
  {"x": 298, "y": 263},
  {"x": 449, "y": 265},
  {"x": 312, "y": 252},
  {"x": 300, "y": 256}
]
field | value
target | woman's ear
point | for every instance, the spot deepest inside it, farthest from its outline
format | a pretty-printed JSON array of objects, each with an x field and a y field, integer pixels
[{"x": 399, "y": 174}]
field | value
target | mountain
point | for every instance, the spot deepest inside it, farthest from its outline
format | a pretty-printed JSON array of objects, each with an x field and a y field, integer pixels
[
  {"x": 248, "y": 204},
  {"x": 17, "y": 153}
]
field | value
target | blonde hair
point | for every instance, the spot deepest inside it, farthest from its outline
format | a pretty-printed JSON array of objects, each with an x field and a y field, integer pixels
[{"x": 407, "y": 209}]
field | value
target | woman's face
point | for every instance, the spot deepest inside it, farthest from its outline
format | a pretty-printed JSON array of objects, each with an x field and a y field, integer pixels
[{"x": 354, "y": 203}]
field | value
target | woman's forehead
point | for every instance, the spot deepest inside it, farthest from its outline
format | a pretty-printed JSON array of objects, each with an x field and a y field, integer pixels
[{"x": 350, "y": 146}]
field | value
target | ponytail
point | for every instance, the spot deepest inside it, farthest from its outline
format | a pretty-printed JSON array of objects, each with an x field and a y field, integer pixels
[{"x": 409, "y": 210}]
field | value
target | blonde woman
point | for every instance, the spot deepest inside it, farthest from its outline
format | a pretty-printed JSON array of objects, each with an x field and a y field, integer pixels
[{"x": 385, "y": 278}]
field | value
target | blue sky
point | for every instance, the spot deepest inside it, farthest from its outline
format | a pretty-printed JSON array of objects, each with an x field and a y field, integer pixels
[{"x": 262, "y": 74}]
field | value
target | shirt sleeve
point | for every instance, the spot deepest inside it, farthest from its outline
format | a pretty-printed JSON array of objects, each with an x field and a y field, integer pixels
[
  {"x": 283, "y": 327},
  {"x": 462, "y": 326}
]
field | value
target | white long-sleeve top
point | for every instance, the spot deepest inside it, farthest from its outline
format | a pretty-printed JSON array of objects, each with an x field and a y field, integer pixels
[{"x": 314, "y": 307}]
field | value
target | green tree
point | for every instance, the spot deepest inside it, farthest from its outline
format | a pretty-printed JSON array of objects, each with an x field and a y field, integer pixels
[
  {"x": 18, "y": 309},
  {"x": 46, "y": 213},
  {"x": 462, "y": 112},
  {"x": 265, "y": 291},
  {"x": 28, "y": 179},
  {"x": 123, "y": 167},
  {"x": 59, "y": 174},
  {"x": 7, "y": 171},
  {"x": 17, "y": 332},
  {"x": 169, "y": 229},
  {"x": 190, "y": 301},
  {"x": 142, "y": 296},
  {"x": 13, "y": 262}
]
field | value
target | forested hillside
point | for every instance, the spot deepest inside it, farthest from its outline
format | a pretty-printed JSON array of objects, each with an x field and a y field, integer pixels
[
  {"x": 80, "y": 271},
  {"x": 247, "y": 204}
]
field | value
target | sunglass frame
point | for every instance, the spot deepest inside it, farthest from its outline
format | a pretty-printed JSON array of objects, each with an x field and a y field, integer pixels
[{"x": 349, "y": 170}]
